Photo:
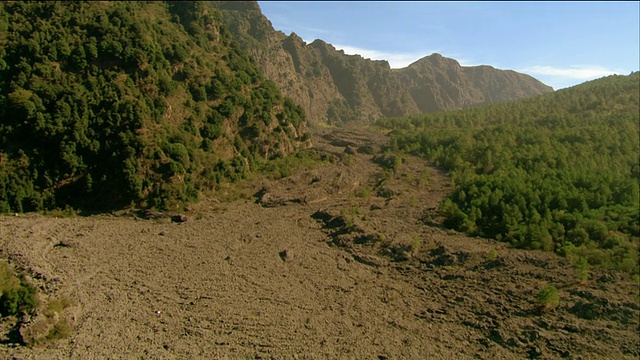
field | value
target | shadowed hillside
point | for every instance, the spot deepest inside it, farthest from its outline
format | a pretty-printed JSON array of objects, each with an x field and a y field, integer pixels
[{"x": 115, "y": 103}]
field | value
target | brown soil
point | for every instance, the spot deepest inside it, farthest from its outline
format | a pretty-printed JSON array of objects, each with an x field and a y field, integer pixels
[{"x": 329, "y": 263}]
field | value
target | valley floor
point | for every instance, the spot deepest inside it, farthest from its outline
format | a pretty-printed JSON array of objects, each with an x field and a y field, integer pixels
[{"x": 336, "y": 262}]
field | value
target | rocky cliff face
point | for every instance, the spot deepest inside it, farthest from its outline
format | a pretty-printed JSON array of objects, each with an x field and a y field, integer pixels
[
  {"x": 438, "y": 83},
  {"x": 336, "y": 88}
]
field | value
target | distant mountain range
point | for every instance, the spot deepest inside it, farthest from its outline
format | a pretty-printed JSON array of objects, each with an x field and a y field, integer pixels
[{"x": 337, "y": 88}]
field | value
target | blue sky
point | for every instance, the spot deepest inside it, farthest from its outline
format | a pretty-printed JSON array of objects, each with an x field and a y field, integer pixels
[{"x": 560, "y": 43}]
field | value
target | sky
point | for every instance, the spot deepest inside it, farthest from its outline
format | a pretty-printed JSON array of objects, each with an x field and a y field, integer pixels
[{"x": 561, "y": 44}]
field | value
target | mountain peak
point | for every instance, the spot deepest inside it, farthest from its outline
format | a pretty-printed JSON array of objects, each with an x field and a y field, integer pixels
[
  {"x": 295, "y": 37},
  {"x": 335, "y": 88},
  {"x": 434, "y": 59}
]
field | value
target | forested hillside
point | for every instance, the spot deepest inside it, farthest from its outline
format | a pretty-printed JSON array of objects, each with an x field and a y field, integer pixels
[
  {"x": 106, "y": 104},
  {"x": 557, "y": 172}
]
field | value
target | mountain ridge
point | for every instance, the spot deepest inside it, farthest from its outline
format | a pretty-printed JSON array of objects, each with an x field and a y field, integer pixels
[{"x": 337, "y": 88}]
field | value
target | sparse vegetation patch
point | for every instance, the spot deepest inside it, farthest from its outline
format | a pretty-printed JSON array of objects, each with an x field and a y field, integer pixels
[{"x": 17, "y": 297}]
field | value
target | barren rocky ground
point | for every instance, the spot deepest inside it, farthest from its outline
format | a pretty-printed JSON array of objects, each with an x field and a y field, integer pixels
[{"x": 335, "y": 262}]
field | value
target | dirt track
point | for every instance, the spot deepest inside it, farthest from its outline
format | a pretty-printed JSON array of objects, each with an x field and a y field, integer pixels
[{"x": 326, "y": 264}]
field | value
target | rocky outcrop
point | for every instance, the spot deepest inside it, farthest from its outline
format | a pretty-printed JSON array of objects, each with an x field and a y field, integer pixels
[
  {"x": 334, "y": 87},
  {"x": 440, "y": 83}
]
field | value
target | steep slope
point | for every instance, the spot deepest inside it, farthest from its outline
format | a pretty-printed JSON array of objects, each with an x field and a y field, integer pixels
[
  {"x": 331, "y": 86},
  {"x": 436, "y": 82},
  {"x": 334, "y": 87},
  {"x": 106, "y": 104},
  {"x": 557, "y": 172}
]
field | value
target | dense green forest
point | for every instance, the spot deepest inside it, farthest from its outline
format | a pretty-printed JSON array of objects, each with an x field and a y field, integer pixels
[
  {"x": 111, "y": 104},
  {"x": 558, "y": 172}
]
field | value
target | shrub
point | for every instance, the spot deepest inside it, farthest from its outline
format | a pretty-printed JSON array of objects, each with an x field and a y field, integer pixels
[
  {"x": 17, "y": 297},
  {"x": 365, "y": 192},
  {"x": 582, "y": 268},
  {"x": 61, "y": 330},
  {"x": 416, "y": 243},
  {"x": 18, "y": 300},
  {"x": 492, "y": 255},
  {"x": 548, "y": 298}
]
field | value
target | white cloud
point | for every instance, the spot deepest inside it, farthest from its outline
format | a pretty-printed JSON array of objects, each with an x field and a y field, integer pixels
[
  {"x": 580, "y": 72},
  {"x": 556, "y": 77},
  {"x": 311, "y": 32},
  {"x": 560, "y": 78},
  {"x": 396, "y": 60}
]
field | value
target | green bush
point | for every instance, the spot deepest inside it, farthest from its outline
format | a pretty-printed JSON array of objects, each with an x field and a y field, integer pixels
[
  {"x": 18, "y": 300},
  {"x": 548, "y": 298},
  {"x": 582, "y": 269},
  {"x": 492, "y": 255},
  {"x": 17, "y": 296}
]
